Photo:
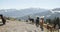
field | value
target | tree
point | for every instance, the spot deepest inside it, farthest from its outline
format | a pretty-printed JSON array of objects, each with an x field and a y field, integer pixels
[{"x": 48, "y": 21}]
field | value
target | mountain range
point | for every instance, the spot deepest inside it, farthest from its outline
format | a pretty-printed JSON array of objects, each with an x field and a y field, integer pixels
[{"x": 33, "y": 12}]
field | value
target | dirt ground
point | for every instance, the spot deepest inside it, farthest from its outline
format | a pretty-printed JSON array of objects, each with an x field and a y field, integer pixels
[{"x": 19, "y": 26}]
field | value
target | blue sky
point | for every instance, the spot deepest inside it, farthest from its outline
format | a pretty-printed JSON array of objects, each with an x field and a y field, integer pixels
[{"x": 23, "y": 4}]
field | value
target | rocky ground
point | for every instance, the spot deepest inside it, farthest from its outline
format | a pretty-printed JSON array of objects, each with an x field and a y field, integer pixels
[{"x": 19, "y": 26}]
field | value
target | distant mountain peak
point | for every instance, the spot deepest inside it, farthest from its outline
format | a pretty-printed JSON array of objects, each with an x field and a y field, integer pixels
[{"x": 56, "y": 9}]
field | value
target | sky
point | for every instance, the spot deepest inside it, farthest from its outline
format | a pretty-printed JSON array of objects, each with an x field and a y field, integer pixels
[{"x": 23, "y": 4}]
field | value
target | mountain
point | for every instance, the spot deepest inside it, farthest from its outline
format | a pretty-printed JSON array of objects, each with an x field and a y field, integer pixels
[
  {"x": 47, "y": 14},
  {"x": 56, "y": 9},
  {"x": 20, "y": 13},
  {"x": 55, "y": 13},
  {"x": 33, "y": 12}
]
